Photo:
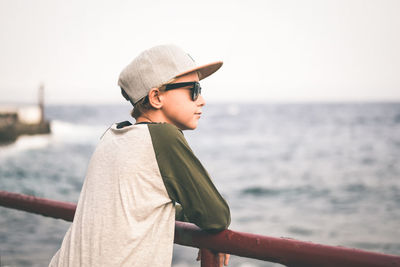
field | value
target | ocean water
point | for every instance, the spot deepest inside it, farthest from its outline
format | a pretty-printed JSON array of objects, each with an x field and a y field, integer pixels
[{"x": 326, "y": 173}]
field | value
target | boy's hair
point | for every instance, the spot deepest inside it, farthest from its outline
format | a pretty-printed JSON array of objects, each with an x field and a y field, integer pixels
[{"x": 139, "y": 107}]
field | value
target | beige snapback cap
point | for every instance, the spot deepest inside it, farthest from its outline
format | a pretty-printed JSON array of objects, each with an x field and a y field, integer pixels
[{"x": 157, "y": 66}]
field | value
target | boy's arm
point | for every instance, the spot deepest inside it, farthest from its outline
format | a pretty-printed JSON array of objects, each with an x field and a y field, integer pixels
[{"x": 186, "y": 180}]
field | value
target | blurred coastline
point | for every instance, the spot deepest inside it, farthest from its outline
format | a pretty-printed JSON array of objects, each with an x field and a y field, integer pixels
[{"x": 322, "y": 172}]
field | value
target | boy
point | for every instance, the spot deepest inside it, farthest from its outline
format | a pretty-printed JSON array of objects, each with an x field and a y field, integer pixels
[{"x": 142, "y": 177}]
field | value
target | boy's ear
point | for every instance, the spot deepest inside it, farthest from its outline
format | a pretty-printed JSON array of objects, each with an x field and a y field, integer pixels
[{"x": 155, "y": 98}]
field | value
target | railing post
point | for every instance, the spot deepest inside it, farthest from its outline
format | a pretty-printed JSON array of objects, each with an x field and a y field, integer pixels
[{"x": 209, "y": 258}]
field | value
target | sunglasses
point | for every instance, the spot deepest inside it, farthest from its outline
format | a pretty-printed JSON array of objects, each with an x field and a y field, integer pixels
[{"x": 195, "y": 88}]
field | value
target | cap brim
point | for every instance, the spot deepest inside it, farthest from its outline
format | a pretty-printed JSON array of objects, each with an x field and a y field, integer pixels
[{"x": 205, "y": 70}]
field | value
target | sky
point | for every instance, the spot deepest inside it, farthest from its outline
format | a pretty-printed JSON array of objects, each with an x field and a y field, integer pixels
[{"x": 273, "y": 51}]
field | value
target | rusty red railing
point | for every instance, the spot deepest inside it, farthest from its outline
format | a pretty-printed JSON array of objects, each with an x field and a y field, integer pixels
[{"x": 286, "y": 251}]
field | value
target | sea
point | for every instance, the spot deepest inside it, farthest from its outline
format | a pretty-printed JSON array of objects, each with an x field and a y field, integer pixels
[{"x": 328, "y": 173}]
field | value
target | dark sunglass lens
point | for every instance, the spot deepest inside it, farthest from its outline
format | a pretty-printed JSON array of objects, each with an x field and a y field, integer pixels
[{"x": 196, "y": 90}]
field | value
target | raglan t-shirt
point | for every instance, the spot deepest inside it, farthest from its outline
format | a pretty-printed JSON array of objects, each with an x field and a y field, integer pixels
[{"x": 139, "y": 180}]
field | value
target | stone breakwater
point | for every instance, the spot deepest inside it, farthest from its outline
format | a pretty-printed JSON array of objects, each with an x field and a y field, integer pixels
[{"x": 17, "y": 121}]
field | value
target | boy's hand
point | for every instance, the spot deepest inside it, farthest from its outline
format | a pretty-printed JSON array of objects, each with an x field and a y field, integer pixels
[{"x": 223, "y": 258}]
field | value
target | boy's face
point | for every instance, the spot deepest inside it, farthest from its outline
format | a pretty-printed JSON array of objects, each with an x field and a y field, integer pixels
[{"x": 179, "y": 108}]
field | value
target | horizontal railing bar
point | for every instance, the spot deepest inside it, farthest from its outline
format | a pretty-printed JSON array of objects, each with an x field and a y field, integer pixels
[
  {"x": 42, "y": 206},
  {"x": 286, "y": 251}
]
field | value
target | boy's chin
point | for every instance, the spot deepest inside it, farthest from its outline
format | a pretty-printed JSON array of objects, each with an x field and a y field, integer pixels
[{"x": 188, "y": 127}]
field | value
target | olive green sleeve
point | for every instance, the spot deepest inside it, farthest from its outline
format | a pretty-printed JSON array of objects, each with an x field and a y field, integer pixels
[
  {"x": 186, "y": 180},
  {"x": 179, "y": 215}
]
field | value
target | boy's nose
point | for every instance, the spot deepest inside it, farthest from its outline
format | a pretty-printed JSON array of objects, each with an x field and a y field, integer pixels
[{"x": 200, "y": 101}]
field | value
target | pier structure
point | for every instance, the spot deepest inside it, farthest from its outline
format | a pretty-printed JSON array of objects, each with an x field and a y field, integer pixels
[{"x": 17, "y": 120}]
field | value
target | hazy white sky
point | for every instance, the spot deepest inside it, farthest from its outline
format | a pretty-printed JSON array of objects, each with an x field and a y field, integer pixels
[{"x": 272, "y": 50}]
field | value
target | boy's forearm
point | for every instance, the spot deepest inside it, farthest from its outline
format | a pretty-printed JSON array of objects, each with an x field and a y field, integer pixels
[{"x": 218, "y": 222}]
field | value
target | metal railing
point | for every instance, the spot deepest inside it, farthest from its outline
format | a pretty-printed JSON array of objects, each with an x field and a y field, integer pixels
[{"x": 285, "y": 251}]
